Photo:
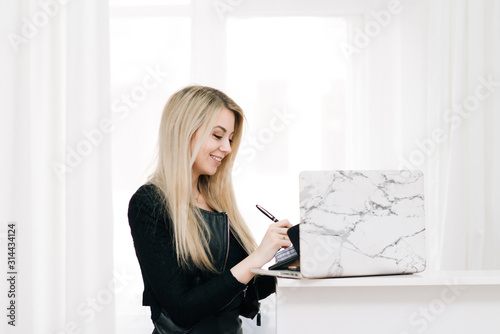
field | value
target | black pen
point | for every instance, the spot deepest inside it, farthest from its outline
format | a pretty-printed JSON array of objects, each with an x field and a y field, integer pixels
[{"x": 267, "y": 213}]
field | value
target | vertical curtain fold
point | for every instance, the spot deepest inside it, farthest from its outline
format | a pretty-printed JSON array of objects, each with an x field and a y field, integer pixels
[
  {"x": 491, "y": 246},
  {"x": 465, "y": 89},
  {"x": 56, "y": 181}
]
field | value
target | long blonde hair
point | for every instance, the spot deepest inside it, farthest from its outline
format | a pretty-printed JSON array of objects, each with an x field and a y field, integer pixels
[{"x": 190, "y": 109}]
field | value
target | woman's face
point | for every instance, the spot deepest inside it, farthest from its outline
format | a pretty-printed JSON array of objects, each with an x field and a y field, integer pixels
[{"x": 218, "y": 145}]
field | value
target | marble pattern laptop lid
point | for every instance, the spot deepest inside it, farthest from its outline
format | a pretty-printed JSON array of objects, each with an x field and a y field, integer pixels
[{"x": 357, "y": 223}]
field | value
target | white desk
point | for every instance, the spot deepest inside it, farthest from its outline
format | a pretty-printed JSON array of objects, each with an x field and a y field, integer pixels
[{"x": 445, "y": 302}]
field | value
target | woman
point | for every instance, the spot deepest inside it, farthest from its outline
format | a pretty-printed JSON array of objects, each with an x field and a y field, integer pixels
[{"x": 194, "y": 249}]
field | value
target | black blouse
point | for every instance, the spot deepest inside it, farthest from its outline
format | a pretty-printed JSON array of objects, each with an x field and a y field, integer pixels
[{"x": 168, "y": 286}]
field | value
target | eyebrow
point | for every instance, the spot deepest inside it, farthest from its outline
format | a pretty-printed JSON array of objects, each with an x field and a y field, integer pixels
[{"x": 222, "y": 128}]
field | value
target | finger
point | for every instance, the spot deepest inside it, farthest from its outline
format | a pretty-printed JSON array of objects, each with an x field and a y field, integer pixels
[
  {"x": 285, "y": 243},
  {"x": 281, "y": 230},
  {"x": 284, "y": 240},
  {"x": 281, "y": 235},
  {"x": 283, "y": 223}
]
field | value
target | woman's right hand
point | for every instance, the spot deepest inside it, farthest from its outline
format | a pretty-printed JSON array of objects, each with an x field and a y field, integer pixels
[{"x": 276, "y": 237}]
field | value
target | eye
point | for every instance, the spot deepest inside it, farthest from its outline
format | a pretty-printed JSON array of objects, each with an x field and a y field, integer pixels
[{"x": 218, "y": 137}]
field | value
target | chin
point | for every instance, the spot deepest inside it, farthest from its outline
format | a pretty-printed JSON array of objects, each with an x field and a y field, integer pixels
[{"x": 210, "y": 172}]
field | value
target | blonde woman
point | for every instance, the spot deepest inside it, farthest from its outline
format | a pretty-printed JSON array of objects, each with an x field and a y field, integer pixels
[{"x": 194, "y": 248}]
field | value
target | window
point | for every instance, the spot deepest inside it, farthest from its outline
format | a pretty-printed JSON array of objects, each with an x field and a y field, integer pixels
[
  {"x": 150, "y": 59},
  {"x": 288, "y": 75},
  {"x": 283, "y": 67}
]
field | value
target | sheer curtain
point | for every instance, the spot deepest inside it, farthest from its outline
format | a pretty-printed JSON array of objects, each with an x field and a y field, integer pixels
[
  {"x": 55, "y": 171},
  {"x": 463, "y": 158},
  {"x": 325, "y": 85},
  {"x": 425, "y": 79},
  {"x": 365, "y": 84}
]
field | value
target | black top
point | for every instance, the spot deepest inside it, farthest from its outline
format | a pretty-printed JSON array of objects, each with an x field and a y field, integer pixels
[
  {"x": 236, "y": 255},
  {"x": 169, "y": 287}
]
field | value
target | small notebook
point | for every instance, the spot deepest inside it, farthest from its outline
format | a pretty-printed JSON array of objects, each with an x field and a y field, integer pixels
[{"x": 290, "y": 254}]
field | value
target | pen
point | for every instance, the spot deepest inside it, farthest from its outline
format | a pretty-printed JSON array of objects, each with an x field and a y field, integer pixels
[{"x": 267, "y": 213}]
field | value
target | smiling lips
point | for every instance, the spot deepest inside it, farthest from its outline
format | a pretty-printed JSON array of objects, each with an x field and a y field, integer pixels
[{"x": 218, "y": 159}]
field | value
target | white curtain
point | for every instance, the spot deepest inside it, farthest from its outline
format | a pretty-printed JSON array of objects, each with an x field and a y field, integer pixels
[
  {"x": 55, "y": 171},
  {"x": 463, "y": 105},
  {"x": 426, "y": 95},
  {"x": 408, "y": 72},
  {"x": 418, "y": 63}
]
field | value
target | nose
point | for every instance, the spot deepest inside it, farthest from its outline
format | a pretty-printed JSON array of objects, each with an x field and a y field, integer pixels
[{"x": 225, "y": 147}]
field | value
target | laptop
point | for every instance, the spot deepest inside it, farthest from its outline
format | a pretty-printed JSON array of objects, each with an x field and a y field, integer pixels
[{"x": 359, "y": 223}]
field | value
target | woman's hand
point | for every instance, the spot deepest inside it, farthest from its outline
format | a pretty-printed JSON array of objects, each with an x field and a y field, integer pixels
[{"x": 275, "y": 238}]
